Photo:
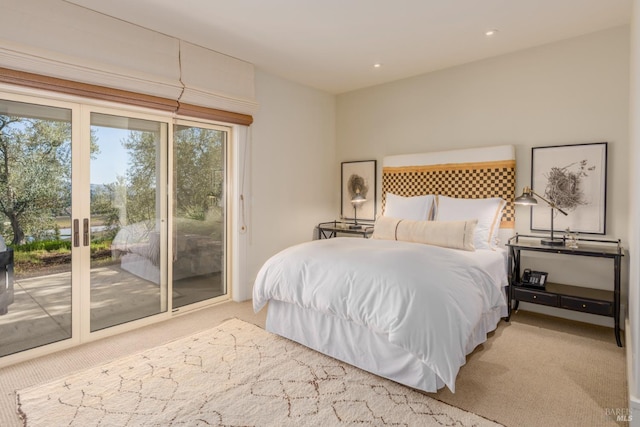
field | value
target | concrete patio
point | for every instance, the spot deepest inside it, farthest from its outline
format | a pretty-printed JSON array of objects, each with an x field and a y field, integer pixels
[{"x": 41, "y": 311}]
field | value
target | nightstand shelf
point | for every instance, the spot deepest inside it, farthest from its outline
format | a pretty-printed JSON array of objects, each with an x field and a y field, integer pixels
[
  {"x": 327, "y": 230},
  {"x": 587, "y": 300}
]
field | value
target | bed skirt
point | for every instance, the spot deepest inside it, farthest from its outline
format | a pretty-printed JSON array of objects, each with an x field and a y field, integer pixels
[{"x": 357, "y": 345}]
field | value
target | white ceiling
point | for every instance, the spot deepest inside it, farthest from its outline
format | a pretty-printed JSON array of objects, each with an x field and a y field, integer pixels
[{"x": 332, "y": 44}]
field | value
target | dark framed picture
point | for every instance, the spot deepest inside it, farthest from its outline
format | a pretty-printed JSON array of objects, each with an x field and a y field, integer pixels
[
  {"x": 358, "y": 180},
  {"x": 574, "y": 177}
]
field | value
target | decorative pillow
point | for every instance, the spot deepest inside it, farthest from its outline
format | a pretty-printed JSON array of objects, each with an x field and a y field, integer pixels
[
  {"x": 385, "y": 228},
  {"x": 448, "y": 234},
  {"x": 415, "y": 208},
  {"x": 487, "y": 211}
]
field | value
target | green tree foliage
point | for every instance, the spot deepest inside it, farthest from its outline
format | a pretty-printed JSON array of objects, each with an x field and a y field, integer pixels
[
  {"x": 35, "y": 160},
  {"x": 199, "y": 166},
  {"x": 141, "y": 175},
  {"x": 104, "y": 208}
]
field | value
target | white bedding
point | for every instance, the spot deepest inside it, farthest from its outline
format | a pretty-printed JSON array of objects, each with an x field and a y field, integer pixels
[{"x": 424, "y": 299}]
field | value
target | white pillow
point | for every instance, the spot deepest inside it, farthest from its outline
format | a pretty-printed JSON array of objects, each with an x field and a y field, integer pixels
[
  {"x": 487, "y": 211},
  {"x": 447, "y": 234},
  {"x": 415, "y": 208}
]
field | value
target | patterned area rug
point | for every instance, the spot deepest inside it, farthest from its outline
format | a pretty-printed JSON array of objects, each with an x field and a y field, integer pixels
[{"x": 231, "y": 375}]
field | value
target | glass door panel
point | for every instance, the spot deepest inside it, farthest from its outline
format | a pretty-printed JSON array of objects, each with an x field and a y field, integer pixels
[
  {"x": 199, "y": 214},
  {"x": 35, "y": 225},
  {"x": 128, "y": 232}
]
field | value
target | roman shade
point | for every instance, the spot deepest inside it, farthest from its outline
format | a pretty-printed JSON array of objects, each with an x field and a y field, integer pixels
[{"x": 59, "y": 46}]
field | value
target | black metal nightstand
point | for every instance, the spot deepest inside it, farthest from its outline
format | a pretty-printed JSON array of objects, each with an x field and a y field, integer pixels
[
  {"x": 327, "y": 230},
  {"x": 577, "y": 298}
]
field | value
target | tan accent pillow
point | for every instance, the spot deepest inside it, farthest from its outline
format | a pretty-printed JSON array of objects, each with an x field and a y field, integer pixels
[
  {"x": 385, "y": 228},
  {"x": 447, "y": 234}
]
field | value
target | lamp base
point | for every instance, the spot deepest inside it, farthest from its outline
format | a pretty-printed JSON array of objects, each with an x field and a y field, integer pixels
[
  {"x": 355, "y": 227},
  {"x": 552, "y": 242}
]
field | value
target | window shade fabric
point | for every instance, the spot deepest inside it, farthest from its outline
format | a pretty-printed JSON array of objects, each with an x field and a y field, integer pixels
[
  {"x": 77, "y": 51},
  {"x": 69, "y": 87},
  {"x": 214, "y": 114},
  {"x": 122, "y": 96}
]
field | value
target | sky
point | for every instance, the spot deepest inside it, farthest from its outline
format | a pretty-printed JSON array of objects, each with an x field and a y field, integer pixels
[{"x": 113, "y": 158}]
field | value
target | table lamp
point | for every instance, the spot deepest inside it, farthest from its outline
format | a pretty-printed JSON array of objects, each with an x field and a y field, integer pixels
[
  {"x": 528, "y": 198},
  {"x": 357, "y": 201}
]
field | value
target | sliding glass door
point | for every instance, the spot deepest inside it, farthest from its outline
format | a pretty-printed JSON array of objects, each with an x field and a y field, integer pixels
[
  {"x": 128, "y": 219},
  {"x": 35, "y": 225},
  {"x": 199, "y": 213},
  {"x": 107, "y": 217}
]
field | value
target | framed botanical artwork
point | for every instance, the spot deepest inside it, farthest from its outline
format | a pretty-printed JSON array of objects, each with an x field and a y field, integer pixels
[
  {"x": 574, "y": 177},
  {"x": 358, "y": 181}
]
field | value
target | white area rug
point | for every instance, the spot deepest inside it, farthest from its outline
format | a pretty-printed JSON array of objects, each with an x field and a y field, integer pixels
[{"x": 234, "y": 374}]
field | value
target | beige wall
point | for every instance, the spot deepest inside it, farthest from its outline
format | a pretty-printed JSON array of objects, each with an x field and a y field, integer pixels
[
  {"x": 294, "y": 173},
  {"x": 574, "y": 91}
]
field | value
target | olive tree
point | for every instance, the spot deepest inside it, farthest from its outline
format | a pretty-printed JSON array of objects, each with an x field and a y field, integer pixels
[{"x": 35, "y": 160}]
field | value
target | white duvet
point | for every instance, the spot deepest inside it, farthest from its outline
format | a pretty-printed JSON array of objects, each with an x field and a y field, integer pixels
[{"x": 428, "y": 300}]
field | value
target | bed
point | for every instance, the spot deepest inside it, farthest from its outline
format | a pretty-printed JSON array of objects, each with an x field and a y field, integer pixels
[{"x": 413, "y": 301}]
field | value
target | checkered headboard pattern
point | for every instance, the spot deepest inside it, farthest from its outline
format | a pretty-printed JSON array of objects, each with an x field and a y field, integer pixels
[{"x": 462, "y": 180}]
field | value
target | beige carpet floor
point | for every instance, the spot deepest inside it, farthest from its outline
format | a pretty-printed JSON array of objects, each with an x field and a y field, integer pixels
[
  {"x": 534, "y": 371},
  {"x": 544, "y": 371}
]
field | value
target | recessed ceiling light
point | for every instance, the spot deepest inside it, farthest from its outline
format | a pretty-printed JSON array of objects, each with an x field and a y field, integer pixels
[
  {"x": 377, "y": 65},
  {"x": 491, "y": 32}
]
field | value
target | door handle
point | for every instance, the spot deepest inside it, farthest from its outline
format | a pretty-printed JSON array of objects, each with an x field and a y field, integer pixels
[
  {"x": 85, "y": 232},
  {"x": 76, "y": 233}
]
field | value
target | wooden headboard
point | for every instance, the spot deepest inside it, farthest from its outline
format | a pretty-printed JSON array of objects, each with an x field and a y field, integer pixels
[{"x": 475, "y": 173}]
